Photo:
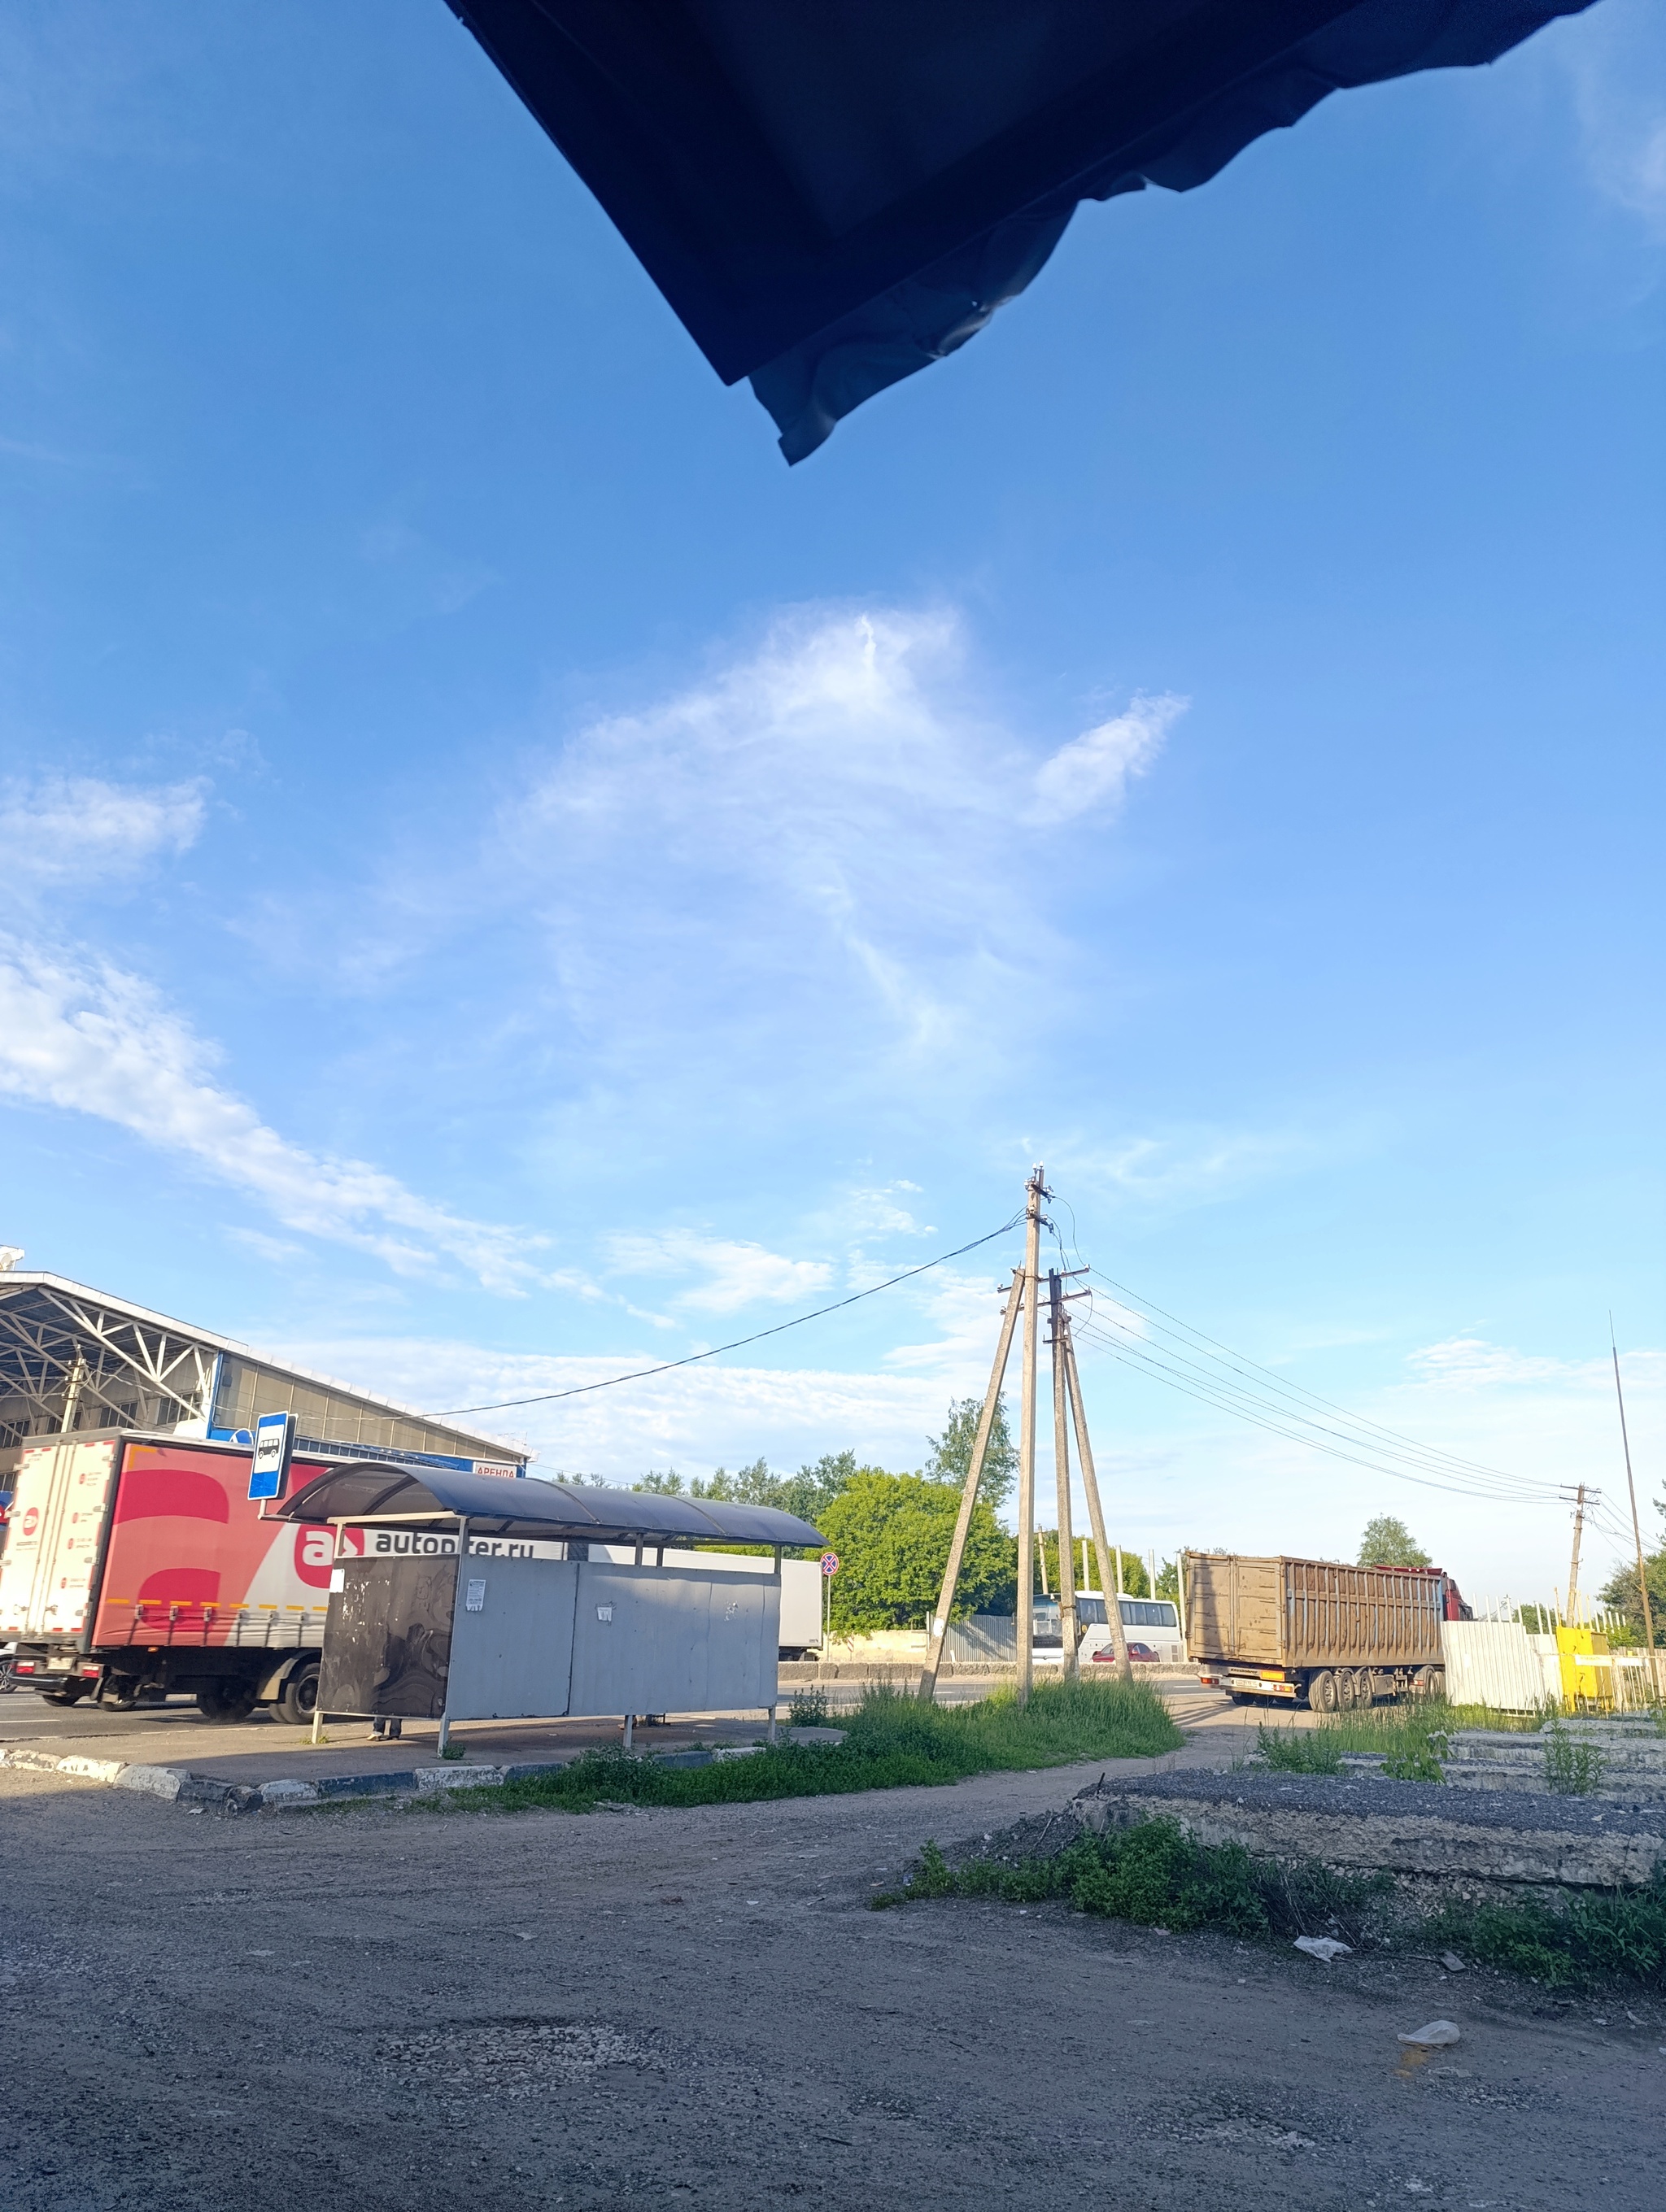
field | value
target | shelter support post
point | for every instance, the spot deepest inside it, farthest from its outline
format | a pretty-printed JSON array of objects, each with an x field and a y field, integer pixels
[
  {"x": 1096, "y": 1511},
  {"x": 969, "y": 1494},
  {"x": 456, "y": 1608}
]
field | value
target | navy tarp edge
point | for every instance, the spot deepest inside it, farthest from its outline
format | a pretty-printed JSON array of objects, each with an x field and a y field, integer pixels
[{"x": 797, "y": 244}]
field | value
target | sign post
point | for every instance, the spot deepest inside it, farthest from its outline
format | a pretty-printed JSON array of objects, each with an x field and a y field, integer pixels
[
  {"x": 830, "y": 1568},
  {"x": 274, "y": 1442}
]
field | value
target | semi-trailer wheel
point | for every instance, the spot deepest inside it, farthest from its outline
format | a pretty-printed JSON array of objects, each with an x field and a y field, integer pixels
[
  {"x": 70, "y": 1692},
  {"x": 297, "y": 1701},
  {"x": 230, "y": 1698},
  {"x": 1322, "y": 1696},
  {"x": 1345, "y": 1689},
  {"x": 1364, "y": 1690}
]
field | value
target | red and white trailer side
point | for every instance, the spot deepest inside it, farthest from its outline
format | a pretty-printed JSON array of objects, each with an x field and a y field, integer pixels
[{"x": 137, "y": 1565}]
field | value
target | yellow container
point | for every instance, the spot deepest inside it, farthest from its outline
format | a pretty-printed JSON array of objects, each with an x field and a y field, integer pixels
[{"x": 1587, "y": 1670}]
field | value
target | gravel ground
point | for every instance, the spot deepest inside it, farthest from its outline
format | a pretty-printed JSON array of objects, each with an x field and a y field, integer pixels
[
  {"x": 1475, "y": 1808},
  {"x": 410, "y": 2009}
]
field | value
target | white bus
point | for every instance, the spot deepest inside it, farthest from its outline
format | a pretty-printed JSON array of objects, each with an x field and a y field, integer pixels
[{"x": 1151, "y": 1625}]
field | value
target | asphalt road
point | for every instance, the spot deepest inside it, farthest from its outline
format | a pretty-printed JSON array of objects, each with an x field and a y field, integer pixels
[{"x": 415, "y": 2009}]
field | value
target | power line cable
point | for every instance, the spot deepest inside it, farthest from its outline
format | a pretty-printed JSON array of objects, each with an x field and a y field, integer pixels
[
  {"x": 1476, "y": 1482},
  {"x": 1213, "y": 1349},
  {"x": 639, "y": 1374},
  {"x": 1243, "y": 1406}
]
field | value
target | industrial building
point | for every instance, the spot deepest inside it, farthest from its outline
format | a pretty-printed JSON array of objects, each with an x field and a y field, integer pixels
[{"x": 74, "y": 1359}]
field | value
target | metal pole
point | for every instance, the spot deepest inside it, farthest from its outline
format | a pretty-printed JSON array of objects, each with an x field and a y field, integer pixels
[
  {"x": 1636, "y": 1526},
  {"x": 968, "y": 1495},
  {"x": 456, "y": 1607},
  {"x": 1035, "y": 1191},
  {"x": 1067, "y": 1628},
  {"x": 1096, "y": 1511}
]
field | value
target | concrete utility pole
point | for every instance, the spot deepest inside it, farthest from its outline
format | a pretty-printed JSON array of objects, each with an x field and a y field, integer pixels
[
  {"x": 1035, "y": 1192},
  {"x": 1096, "y": 1511},
  {"x": 1061, "y": 1471},
  {"x": 1574, "y": 1565},
  {"x": 969, "y": 1494},
  {"x": 1636, "y": 1526}
]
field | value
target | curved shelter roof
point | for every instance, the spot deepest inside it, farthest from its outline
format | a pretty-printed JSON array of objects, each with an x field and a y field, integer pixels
[{"x": 532, "y": 1509}]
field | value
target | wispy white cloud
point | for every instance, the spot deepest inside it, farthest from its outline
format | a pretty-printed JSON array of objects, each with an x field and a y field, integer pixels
[
  {"x": 697, "y": 1420},
  {"x": 73, "y": 831},
  {"x": 827, "y": 835},
  {"x": 84, "y": 1035},
  {"x": 727, "y": 1275},
  {"x": 1092, "y": 771},
  {"x": 1616, "y": 65},
  {"x": 1188, "y": 1166}
]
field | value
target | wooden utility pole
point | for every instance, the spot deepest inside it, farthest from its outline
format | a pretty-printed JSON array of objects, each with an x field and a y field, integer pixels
[
  {"x": 968, "y": 1495},
  {"x": 1067, "y": 1629},
  {"x": 1636, "y": 1526},
  {"x": 1035, "y": 1191},
  {"x": 1096, "y": 1511},
  {"x": 1574, "y": 1565}
]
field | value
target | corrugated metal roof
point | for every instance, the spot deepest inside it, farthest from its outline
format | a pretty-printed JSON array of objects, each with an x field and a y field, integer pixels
[{"x": 533, "y": 1508}]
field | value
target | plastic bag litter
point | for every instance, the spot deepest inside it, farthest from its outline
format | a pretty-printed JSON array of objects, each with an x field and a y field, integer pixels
[
  {"x": 1432, "y": 2034},
  {"x": 1323, "y": 1947}
]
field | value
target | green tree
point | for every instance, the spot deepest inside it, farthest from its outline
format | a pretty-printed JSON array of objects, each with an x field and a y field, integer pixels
[
  {"x": 892, "y": 1534},
  {"x": 668, "y": 1484},
  {"x": 1620, "y": 1592},
  {"x": 1388, "y": 1542},
  {"x": 1136, "y": 1583},
  {"x": 951, "y": 1452}
]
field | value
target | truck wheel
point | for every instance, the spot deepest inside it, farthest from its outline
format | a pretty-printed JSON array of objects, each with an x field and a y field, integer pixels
[
  {"x": 1364, "y": 1690},
  {"x": 1344, "y": 1679},
  {"x": 228, "y": 1699},
  {"x": 1321, "y": 1693},
  {"x": 297, "y": 1701},
  {"x": 68, "y": 1695}
]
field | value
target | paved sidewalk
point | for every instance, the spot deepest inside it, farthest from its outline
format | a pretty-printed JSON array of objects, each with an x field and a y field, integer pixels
[{"x": 176, "y": 1738}]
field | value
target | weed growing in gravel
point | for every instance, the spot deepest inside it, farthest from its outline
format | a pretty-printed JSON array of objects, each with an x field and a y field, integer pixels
[
  {"x": 809, "y": 1709},
  {"x": 1153, "y": 1874},
  {"x": 1616, "y": 1936},
  {"x": 1572, "y": 1769},
  {"x": 1411, "y": 1739},
  {"x": 890, "y": 1742}
]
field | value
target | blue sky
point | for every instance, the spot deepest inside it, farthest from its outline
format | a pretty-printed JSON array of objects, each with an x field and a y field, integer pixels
[{"x": 507, "y": 880}]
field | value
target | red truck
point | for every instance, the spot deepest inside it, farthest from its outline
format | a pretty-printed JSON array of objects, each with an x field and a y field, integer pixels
[{"x": 137, "y": 1564}]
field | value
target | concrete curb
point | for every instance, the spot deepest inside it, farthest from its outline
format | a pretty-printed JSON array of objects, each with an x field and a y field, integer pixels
[{"x": 177, "y": 1785}]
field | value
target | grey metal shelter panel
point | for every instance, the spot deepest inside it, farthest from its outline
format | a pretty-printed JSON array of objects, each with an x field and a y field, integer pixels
[
  {"x": 512, "y": 1642},
  {"x": 673, "y": 1640},
  {"x": 387, "y": 1638}
]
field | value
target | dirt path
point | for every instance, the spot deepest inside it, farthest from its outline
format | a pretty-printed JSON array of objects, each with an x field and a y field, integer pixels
[{"x": 392, "y": 2008}]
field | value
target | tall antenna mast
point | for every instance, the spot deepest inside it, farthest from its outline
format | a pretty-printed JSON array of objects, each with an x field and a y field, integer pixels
[{"x": 1636, "y": 1526}]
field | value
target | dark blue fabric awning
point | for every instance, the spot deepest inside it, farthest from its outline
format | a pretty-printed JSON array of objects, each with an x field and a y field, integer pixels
[{"x": 835, "y": 193}]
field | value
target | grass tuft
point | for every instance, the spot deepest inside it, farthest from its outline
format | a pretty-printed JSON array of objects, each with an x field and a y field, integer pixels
[
  {"x": 891, "y": 1742},
  {"x": 1156, "y": 1876},
  {"x": 1411, "y": 1738}
]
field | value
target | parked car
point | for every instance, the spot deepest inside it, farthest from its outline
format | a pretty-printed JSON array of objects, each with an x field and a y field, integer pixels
[{"x": 1140, "y": 1653}]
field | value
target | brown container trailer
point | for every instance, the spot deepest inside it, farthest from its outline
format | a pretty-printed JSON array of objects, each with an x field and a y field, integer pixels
[{"x": 1312, "y": 1632}]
